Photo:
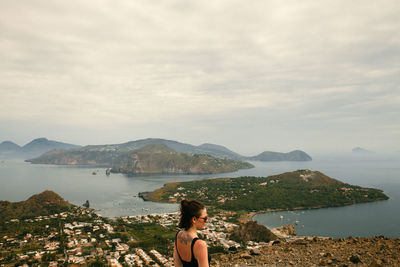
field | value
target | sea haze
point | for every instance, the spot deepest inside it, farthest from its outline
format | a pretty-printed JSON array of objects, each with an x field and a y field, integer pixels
[{"x": 116, "y": 195}]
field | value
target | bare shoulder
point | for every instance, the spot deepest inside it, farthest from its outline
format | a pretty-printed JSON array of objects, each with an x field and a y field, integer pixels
[
  {"x": 200, "y": 244},
  {"x": 200, "y": 253}
]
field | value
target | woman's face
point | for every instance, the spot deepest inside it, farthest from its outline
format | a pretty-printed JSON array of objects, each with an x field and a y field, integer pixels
[{"x": 202, "y": 219}]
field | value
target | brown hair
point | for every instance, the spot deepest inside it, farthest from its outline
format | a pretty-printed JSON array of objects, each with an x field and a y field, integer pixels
[{"x": 189, "y": 208}]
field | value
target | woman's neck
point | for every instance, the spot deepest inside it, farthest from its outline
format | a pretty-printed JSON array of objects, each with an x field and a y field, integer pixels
[{"x": 192, "y": 231}]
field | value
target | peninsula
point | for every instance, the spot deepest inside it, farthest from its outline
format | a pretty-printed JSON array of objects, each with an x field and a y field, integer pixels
[{"x": 302, "y": 189}]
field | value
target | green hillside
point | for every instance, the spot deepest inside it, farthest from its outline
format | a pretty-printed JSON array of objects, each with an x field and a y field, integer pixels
[
  {"x": 42, "y": 204},
  {"x": 300, "y": 189}
]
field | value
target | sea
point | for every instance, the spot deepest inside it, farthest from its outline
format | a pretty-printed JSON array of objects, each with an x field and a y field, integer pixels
[{"x": 117, "y": 194}]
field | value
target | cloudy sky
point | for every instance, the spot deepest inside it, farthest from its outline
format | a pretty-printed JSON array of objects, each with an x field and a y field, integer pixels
[{"x": 261, "y": 75}]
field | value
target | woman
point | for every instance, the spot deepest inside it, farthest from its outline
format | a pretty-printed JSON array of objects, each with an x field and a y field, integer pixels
[{"x": 189, "y": 250}]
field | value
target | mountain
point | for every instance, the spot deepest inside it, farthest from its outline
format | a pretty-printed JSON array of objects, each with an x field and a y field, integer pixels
[
  {"x": 296, "y": 155},
  {"x": 42, "y": 204},
  {"x": 35, "y": 148},
  {"x": 217, "y": 151},
  {"x": 42, "y": 145},
  {"x": 209, "y": 149},
  {"x": 8, "y": 150},
  {"x": 9, "y": 146},
  {"x": 158, "y": 158}
]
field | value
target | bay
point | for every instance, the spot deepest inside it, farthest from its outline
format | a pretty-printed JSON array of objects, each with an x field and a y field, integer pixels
[{"x": 116, "y": 195}]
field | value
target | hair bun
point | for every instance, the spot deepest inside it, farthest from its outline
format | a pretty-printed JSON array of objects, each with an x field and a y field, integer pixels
[
  {"x": 185, "y": 205},
  {"x": 189, "y": 208}
]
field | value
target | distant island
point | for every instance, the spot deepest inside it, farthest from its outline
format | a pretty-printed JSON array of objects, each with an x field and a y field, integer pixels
[
  {"x": 105, "y": 155},
  {"x": 150, "y": 159},
  {"x": 360, "y": 150},
  {"x": 10, "y": 150},
  {"x": 302, "y": 189},
  {"x": 296, "y": 155}
]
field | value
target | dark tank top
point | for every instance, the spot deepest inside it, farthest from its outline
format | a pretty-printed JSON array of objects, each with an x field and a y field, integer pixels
[{"x": 193, "y": 262}]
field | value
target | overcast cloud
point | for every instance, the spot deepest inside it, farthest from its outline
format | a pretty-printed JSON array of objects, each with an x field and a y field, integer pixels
[{"x": 265, "y": 75}]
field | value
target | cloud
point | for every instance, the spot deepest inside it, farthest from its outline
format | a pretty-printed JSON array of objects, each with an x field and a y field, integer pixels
[{"x": 136, "y": 63}]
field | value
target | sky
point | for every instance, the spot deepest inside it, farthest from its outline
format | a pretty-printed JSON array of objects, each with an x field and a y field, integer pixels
[{"x": 319, "y": 76}]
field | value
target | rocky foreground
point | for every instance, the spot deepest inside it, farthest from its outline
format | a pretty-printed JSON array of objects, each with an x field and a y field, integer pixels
[{"x": 377, "y": 251}]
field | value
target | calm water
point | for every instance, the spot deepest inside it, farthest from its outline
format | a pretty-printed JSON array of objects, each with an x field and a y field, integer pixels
[{"x": 116, "y": 195}]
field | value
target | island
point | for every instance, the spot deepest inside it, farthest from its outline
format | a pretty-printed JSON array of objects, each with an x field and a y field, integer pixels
[
  {"x": 301, "y": 189},
  {"x": 159, "y": 158},
  {"x": 106, "y": 155},
  {"x": 150, "y": 159},
  {"x": 35, "y": 148},
  {"x": 295, "y": 155}
]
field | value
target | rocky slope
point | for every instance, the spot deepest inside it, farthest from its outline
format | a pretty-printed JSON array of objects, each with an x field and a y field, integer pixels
[
  {"x": 375, "y": 251},
  {"x": 252, "y": 231}
]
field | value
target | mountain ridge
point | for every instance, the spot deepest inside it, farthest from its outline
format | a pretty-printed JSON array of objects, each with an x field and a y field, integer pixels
[
  {"x": 9, "y": 146},
  {"x": 35, "y": 148},
  {"x": 111, "y": 151}
]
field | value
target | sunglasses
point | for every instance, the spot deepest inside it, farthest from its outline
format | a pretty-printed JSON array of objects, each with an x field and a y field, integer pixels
[{"x": 204, "y": 218}]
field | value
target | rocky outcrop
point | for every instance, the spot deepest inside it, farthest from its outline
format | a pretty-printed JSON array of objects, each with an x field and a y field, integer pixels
[
  {"x": 86, "y": 204},
  {"x": 375, "y": 251},
  {"x": 284, "y": 231},
  {"x": 252, "y": 231}
]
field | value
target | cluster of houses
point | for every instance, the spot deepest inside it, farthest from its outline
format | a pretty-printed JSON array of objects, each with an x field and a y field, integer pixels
[
  {"x": 87, "y": 241},
  {"x": 83, "y": 242}
]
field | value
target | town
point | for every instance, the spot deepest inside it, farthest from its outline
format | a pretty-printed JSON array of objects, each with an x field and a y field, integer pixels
[{"x": 82, "y": 237}]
